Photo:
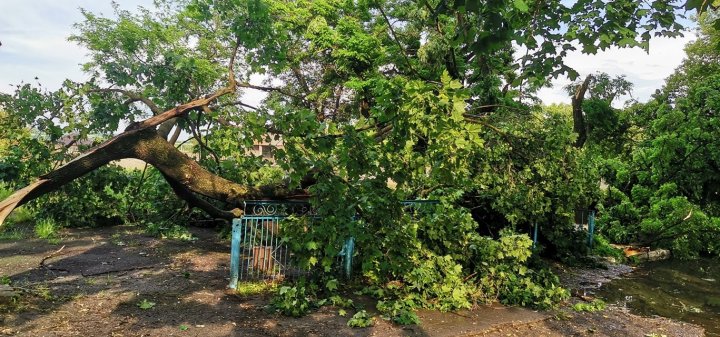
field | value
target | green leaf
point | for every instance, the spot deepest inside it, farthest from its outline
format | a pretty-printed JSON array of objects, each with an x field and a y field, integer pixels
[
  {"x": 145, "y": 304},
  {"x": 521, "y": 5},
  {"x": 332, "y": 285},
  {"x": 694, "y": 4},
  {"x": 445, "y": 78}
]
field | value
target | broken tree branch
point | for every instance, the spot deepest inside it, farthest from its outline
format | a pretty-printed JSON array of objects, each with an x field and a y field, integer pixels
[{"x": 133, "y": 96}]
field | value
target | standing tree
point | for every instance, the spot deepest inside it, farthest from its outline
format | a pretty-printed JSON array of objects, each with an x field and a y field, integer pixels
[
  {"x": 664, "y": 189},
  {"x": 602, "y": 90}
]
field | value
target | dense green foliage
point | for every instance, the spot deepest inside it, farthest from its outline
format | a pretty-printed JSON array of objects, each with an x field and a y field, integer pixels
[
  {"x": 291, "y": 301},
  {"x": 665, "y": 177},
  {"x": 381, "y": 101}
]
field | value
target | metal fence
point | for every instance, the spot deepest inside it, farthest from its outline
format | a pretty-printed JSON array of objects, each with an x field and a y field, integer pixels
[
  {"x": 258, "y": 251},
  {"x": 584, "y": 220}
]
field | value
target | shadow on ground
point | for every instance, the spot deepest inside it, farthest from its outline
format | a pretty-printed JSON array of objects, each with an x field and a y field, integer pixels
[
  {"x": 94, "y": 284},
  {"x": 92, "y": 287}
]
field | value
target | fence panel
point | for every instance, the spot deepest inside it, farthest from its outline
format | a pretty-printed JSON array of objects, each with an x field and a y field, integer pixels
[{"x": 257, "y": 251}]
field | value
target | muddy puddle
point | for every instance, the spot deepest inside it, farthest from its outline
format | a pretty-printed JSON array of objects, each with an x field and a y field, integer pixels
[{"x": 682, "y": 290}]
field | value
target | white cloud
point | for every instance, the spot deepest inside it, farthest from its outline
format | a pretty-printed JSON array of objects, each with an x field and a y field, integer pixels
[{"x": 646, "y": 70}]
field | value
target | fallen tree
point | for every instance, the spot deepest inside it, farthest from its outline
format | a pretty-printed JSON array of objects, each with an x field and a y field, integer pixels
[
  {"x": 354, "y": 94},
  {"x": 426, "y": 96},
  {"x": 146, "y": 140}
]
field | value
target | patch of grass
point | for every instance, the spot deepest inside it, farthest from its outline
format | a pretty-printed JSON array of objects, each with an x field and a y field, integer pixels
[
  {"x": 145, "y": 304},
  {"x": 562, "y": 316},
  {"x": 16, "y": 226},
  {"x": 76, "y": 297},
  {"x": 116, "y": 239},
  {"x": 250, "y": 288},
  {"x": 5, "y": 280},
  {"x": 46, "y": 229},
  {"x": 43, "y": 291},
  {"x": 21, "y": 215},
  {"x": 12, "y": 234},
  {"x": 361, "y": 319},
  {"x": 23, "y": 293},
  {"x": 170, "y": 231},
  {"x": 595, "y": 305}
]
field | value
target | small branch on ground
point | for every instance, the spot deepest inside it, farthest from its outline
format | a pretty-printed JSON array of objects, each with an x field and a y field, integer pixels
[
  {"x": 54, "y": 254},
  {"x": 117, "y": 270}
]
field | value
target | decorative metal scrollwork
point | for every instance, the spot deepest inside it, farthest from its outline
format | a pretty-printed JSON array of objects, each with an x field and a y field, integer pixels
[
  {"x": 278, "y": 208},
  {"x": 299, "y": 208}
]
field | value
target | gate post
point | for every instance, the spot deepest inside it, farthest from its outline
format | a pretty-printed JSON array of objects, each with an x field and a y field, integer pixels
[
  {"x": 349, "y": 250},
  {"x": 235, "y": 253},
  {"x": 591, "y": 228}
]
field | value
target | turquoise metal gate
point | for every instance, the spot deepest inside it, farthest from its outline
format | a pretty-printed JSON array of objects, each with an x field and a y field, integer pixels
[{"x": 257, "y": 251}]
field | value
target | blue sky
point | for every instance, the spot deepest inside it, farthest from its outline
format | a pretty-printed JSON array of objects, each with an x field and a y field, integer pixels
[{"x": 34, "y": 44}]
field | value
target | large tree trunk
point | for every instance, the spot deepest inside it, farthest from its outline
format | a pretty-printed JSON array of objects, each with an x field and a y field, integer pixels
[
  {"x": 579, "y": 124},
  {"x": 185, "y": 176}
]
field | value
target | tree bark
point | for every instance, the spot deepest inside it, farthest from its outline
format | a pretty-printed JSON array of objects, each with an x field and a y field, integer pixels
[
  {"x": 195, "y": 201},
  {"x": 146, "y": 141},
  {"x": 184, "y": 174},
  {"x": 579, "y": 124}
]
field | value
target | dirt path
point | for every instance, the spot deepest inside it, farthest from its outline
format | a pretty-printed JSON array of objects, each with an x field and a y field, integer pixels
[{"x": 92, "y": 287}]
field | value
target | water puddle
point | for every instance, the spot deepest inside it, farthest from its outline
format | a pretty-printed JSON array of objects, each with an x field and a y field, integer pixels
[{"x": 687, "y": 291}]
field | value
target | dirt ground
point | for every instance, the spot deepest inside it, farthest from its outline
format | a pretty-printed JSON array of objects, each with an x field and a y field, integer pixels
[{"x": 93, "y": 285}]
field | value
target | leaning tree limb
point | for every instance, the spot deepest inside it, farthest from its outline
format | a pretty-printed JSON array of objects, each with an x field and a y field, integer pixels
[
  {"x": 128, "y": 144},
  {"x": 132, "y": 97},
  {"x": 142, "y": 141},
  {"x": 185, "y": 174}
]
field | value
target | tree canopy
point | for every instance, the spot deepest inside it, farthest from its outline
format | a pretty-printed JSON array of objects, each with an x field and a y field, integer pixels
[
  {"x": 410, "y": 86},
  {"x": 665, "y": 181}
]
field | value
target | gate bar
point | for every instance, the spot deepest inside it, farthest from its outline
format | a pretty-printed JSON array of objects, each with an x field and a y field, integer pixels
[
  {"x": 235, "y": 253},
  {"x": 591, "y": 228}
]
